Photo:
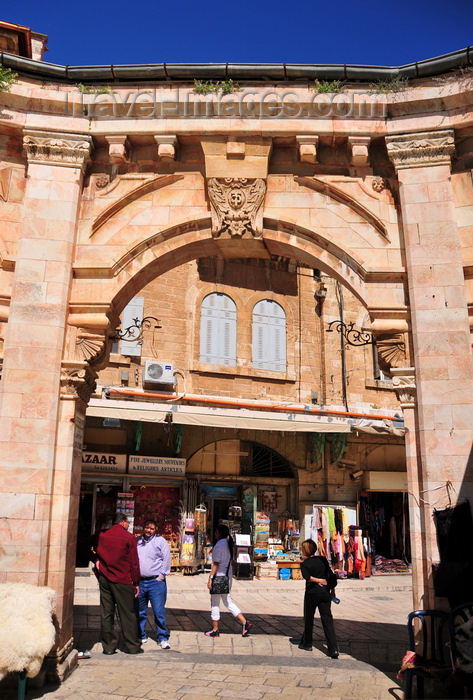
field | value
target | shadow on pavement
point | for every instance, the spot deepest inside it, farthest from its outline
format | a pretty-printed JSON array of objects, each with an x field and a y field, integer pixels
[{"x": 381, "y": 645}]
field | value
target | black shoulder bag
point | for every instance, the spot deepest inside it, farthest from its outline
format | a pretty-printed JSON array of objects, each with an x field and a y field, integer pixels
[{"x": 221, "y": 584}]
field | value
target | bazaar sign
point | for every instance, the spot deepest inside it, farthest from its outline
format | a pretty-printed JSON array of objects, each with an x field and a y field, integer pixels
[{"x": 103, "y": 462}]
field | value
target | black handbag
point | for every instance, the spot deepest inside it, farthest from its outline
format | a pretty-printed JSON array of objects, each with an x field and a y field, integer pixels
[{"x": 221, "y": 584}]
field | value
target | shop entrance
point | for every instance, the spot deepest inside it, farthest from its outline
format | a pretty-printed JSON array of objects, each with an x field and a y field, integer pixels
[
  {"x": 97, "y": 508},
  {"x": 220, "y": 508},
  {"x": 218, "y": 500},
  {"x": 385, "y": 514}
]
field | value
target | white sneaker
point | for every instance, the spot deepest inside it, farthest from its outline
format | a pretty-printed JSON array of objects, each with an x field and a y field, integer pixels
[
  {"x": 144, "y": 640},
  {"x": 165, "y": 644}
]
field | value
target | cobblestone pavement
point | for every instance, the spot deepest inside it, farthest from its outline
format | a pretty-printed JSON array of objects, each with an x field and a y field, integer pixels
[{"x": 370, "y": 623}]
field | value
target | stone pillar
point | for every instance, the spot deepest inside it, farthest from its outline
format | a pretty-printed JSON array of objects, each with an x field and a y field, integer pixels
[
  {"x": 40, "y": 482},
  {"x": 440, "y": 332}
]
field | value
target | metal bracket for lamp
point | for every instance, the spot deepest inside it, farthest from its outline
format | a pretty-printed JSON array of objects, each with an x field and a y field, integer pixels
[
  {"x": 351, "y": 335},
  {"x": 135, "y": 331}
]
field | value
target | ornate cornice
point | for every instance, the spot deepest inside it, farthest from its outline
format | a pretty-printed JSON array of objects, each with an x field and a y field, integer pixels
[
  {"x": 55, "y": 148},
  {"x": 236, "y": 206},
  {"x": 405, "y": 386},
  {"x": 78, "y": 381},
  {"x": 422, "y": 148}
]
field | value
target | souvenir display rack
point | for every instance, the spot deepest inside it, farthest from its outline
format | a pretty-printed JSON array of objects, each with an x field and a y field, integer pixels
[
  {"x": 261, "y": 535},
  {"x": 340, "y": 539},
  {"x": 126, "y": 505},
  {"x": 242, "y": 557}
]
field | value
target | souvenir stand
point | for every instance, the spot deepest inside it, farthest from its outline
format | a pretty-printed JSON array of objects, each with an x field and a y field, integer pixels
[
  {"x": 284, "y": 548},
  {"x": 126, "y": 505},
  {"x": 339, "y": 538},
  {"x": 243, "y": 561},
  {"x": 187, "y": 558},
  {"x": 194, "y": 540},
  {"x": 200, "y": 535},
  {"x": 261, "y": 536}
]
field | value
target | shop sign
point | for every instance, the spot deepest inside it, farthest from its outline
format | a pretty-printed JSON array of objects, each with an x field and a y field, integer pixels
[
  {"x": 103, "y": 463},
  {"x": 170, "y": 466}
]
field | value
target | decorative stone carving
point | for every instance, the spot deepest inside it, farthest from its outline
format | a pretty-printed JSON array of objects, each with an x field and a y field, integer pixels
[
  {"x": 422, "y": 148},
  {"x": 358, "y": 146},
  {"x": 236, "y": 206},
  {"x": 405, "y": 386},
  {"x": 307, "y": 148},
  {"x": 102, "y": 181},
  {"x": 167, "y": 146},
  {"x": 118, "y": 149},
  {"x": 90, "y": 346},
  {"x": 78, "y": 381},
  {"x": 378, "y": 184},
  {"x": 68, "y": 150},
  {"x": 391, "y": 350}
]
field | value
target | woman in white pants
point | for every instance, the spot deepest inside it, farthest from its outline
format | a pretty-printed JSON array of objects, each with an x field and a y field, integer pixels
[{"x": 222, "y": 555}]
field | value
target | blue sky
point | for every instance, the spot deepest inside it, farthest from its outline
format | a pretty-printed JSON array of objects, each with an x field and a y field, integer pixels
[{"x": 370, "y": 32}]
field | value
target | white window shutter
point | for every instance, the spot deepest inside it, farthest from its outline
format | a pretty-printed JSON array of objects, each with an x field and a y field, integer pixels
[
  {"x": 133, "y": 310},
  {"x": 218, "y": 330},
  {"x": 269, "y": 336}
]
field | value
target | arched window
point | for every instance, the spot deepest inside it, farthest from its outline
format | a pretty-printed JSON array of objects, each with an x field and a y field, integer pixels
[
  {"x": 218, "y": 319},
  {"x": 269, "y": 336}
]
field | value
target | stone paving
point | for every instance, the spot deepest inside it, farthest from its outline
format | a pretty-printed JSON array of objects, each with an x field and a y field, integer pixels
[{"x": 370, "y": 624}]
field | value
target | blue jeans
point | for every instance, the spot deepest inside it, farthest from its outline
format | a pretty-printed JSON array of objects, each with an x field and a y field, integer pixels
[{"x": 154, "y": 592}]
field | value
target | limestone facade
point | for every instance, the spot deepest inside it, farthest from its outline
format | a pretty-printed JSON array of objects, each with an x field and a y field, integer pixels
[{"x": 361, "y": 211}]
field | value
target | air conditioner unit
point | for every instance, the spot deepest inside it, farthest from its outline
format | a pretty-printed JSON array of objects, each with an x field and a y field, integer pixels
[{"x": 158, "y": 372}]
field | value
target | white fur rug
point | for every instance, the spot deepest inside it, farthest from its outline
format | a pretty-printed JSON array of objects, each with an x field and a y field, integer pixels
[{"x": 27, "y": 632}]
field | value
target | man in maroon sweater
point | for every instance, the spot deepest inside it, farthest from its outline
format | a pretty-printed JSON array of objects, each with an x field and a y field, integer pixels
[{"x": 118, "y": 572}]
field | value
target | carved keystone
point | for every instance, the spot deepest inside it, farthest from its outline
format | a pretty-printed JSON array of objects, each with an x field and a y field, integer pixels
[
  {"x": 236, "y": 206},
  {"x": 307, "y": 148},
  {"x": 167, "y": 146}
]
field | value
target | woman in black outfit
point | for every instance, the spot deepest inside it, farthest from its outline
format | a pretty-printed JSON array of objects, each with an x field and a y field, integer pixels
[{"x": 319, "y": 579}]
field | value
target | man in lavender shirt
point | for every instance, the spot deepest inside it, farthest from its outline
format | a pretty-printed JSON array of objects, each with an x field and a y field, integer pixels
[{"x": 155, "y": 565}]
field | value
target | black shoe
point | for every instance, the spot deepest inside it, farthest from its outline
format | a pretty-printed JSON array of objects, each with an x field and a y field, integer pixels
[
  {"x": 109, "y": 653},
  {"x": 334, "y": 655},
  {"x": 305, "y": 647},
  {"x": 138, "y": 651}
]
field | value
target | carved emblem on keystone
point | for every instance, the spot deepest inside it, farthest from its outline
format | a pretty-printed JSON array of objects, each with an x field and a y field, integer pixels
[{"x": 236, "y": 206}]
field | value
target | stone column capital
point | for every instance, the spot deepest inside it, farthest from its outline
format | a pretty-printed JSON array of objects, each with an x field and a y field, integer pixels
[
  {"x": 78, "y": 381},
  {"x": 57, "y": 148},
  {"x": 405, "y": 386},
  {"x": 420, "y": 149}
]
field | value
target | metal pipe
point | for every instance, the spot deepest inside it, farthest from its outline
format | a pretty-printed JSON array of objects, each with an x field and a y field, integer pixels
[{"x": 247, "y": 403}]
